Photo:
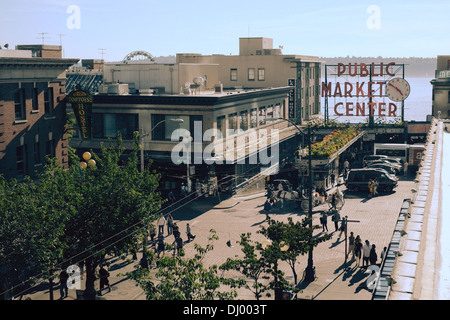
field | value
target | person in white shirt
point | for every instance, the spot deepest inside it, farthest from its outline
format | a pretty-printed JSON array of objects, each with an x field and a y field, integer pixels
[{"x": 366, "y": 253}]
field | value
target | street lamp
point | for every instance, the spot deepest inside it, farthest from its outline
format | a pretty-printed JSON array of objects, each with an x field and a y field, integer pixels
[
  {"x": 144, "y": 261},
  {"x": 310, "y": 269},
  {"x": 142, "y": 135}
]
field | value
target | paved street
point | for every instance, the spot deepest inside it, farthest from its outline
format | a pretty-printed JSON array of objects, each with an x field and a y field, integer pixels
[{"x": 234, "y": 216}]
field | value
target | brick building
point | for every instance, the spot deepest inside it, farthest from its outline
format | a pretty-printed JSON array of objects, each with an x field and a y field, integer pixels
[{"x": 32, "y": 109}]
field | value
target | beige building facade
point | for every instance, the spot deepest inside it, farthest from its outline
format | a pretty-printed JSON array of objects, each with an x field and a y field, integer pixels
[
  {"x": 441, "y": 88},
  {"x": 259, "y": 65}
]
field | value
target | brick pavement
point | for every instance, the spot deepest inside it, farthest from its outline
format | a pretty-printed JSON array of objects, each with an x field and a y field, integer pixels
[{"x": 234, "y": 216}]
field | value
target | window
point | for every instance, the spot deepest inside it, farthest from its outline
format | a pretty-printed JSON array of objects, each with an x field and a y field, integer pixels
[
  {"x": 251, "y": 74},
  {"x": 221, "y": 125},
  {"x": 232, "y": 122},
  {"x": 243, "y": 120},
  {"x": 163, "y": 128},
  {"x": 50, "y": 149},
  {"x": 106, "y": 125},
  {"x": 261, "y": 74},
  {"x": 233, "y": 75},
  {"x": 277, "y": 111},
  {"x": 37, "y": 153},
  {"x": 269, "y": 114},
  {"x": 19, "y": 104},
  {"x": 48, "y": 100},
  {"x": 262, "y": 116},
  {"x": 35, "y": 105},
  {"x": 253, "y": 118},
  {"x": 20, "y": 160}
]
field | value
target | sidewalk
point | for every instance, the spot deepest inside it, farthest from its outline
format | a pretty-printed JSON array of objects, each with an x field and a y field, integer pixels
[{"x": 236, "y": 215}]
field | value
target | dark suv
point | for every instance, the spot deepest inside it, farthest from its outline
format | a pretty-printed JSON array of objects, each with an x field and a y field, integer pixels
[{"x": 358, "y": 179}]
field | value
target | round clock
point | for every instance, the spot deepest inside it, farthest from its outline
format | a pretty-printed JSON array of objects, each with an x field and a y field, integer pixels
[{"x": 398, "y": 89}]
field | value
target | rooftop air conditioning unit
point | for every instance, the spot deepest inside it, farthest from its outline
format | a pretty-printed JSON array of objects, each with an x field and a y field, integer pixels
[{"x": 218, "y": 88}]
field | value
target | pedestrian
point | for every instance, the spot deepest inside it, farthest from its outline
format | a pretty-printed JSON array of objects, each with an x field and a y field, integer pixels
[
  {"x": 373, "y": 255},
  {"x": 267, "y": 208},
  {"x": 161, "y": 246},
  {"x": 343, "y": 226},
  {"x": 333, "y": 201},
  {"x": 405, "y": 169},
  {"x": 335, "y": 218},
  {"x": 189, "y": 234},
  {"x": 178, "y": 246},
  {"x": 351, "y": 245},
  {"x": 104, "y": 281},
  {"x": 323, "y": 221},
  {"x": 63, "y": 290},
  {"x": 375, "y": 187},
  {"x": 161, "y": 223},
  {"x": 169, "y": 224},
  {"x": 366, "y": 253},
  {"x": 152, "y": 233},
  {"x": 370, "y": 188},
  {"x": 171, "y": 196},
  {"x": 383, "y": 254},
  {"x": 358, "y": 249},
  {"x": 176, "y": 231}
]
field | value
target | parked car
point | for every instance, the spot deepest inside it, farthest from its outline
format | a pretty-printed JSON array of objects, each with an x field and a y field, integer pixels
[
  {"x": 358, "y": 179},
  {"x": 366, "y": 159},
  {"x": 390, "y": 169},
  {"x": 397, "y": 167},
  {"x": 286, "y": 184}
]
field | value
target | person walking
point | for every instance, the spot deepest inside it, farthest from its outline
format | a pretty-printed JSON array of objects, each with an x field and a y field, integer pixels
[
  {"x": 63, "y": 289},
  {"x": 370, "y": 188},
  {"x": 152, "y": 230},
  {"x": 104, "y": 281},
  {"x": 323, "y": 221},
  {"x": 161, "y": 224},
  {"x": 335, "y": 218},
  {"x": 383, "y": 255},
  {"x": 267, "y": 208},
  {"x": 178, "y": 246},
  {"x": 366, "y": 253},
  {"x": 189, "y": 234},
  {"x": 358, "y": 249},
  {"x": 373, "y": 255},
  {"x": 169, "y": 224},
  {"x": 375, "y": 187},
  {"x": 176, "y": 231},
  {"x": 343, "y": 226},
  {"x": 171, "y": 197},
  {"x": 351, "y": 245},
  {"x": 161, "y": 246}
]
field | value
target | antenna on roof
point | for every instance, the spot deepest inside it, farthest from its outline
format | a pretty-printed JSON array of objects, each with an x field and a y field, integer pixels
[{"x": 42, "y": 36}]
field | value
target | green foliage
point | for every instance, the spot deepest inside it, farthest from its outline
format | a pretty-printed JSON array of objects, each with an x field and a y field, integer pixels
[
  {"x": 70, "y": 215},
  {"x": 179, "y": 278}
]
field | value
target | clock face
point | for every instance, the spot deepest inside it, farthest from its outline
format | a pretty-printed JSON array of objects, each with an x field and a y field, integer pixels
[{"x": 398, "y": 89}]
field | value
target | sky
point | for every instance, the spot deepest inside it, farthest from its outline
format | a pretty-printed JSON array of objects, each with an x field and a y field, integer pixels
[{"x": 95, "y": 29}]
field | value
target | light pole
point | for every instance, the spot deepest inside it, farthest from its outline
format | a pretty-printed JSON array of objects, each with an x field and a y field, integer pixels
[
  {"x": 310, "y": 273},
  {"x": 142, "y": 135},
  {"x": 144, "y": 261}
]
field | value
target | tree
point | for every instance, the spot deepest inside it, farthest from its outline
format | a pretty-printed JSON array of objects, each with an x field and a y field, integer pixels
[
  {"x": 289, "y": 240},
  {"x": 253, "y": 265},
  {"x": 114, "y": 203},
  {"x": 180, "y": 278}
]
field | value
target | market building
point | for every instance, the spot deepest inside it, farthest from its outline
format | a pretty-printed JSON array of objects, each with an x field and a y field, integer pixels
[{"x": 441, "y": 88}]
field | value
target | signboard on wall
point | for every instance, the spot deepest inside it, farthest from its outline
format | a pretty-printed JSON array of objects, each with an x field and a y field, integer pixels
[
  {"x": 291, "y": 99},
  {"x": 82, "y": 107},
  {"x": 360, "y": 89}
]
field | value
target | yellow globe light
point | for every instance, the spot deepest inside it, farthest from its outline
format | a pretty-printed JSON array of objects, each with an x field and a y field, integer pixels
[
  {"x": 83, "y": 165},
  {"x": 284, "y": 246},
  {"x": 92, "y": 163},
  {"x": 86, "y": 156},
  {"x": 266, "y": 243}
]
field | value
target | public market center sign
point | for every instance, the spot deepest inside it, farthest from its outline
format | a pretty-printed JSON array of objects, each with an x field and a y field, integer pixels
[{"x": 364, "y": 87}]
